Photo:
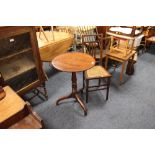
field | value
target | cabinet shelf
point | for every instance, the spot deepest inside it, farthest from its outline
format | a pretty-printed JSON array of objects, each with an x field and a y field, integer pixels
[
  {"x": 20, "y": 64},
  {"x": 26, "y": 79},
  {"x": 16, "y": 53},
  {"x": 14, "y": 67}
]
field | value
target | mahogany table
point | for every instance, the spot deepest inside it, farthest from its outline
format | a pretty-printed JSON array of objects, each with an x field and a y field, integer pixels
[{"x": 73, "y": 62}]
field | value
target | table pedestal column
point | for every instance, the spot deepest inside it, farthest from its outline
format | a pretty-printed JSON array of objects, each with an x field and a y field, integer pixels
[{"x": 74, "y": 94}]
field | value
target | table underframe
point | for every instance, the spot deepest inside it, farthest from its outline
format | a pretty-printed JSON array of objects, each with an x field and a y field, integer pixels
[
  {"x": 121, "y": 61},
  {"x": 74, "y": 94}
]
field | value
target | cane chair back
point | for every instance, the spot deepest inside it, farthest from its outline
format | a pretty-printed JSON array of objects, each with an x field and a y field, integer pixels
[
  {"x": 93, "y": 45},
  {"x": 96, "y": 45}
]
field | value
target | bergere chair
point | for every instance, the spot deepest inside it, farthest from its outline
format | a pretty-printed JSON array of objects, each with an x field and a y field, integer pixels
[{"x": 93, "y": 45}]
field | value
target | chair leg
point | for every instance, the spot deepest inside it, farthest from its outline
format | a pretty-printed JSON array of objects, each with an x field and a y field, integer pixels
[
  {"x": 108, "y": 84},
  {"x": 87, "y": 85},
  {"x": 114, "y": 68},
  {"x": 99, "y": 82},
  {"x": 83, "y": 80}
]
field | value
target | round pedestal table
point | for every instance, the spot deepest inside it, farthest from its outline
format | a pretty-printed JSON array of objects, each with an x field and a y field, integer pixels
[{"x": 73, "y": 62}]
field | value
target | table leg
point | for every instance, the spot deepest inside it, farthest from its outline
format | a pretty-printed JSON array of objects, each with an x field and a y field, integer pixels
[
  {"x": 63, "y": 98},
  {"x": 74, "y": 94},
  {"x": 81, "y": 104},
  {"x": 121, "y": 73}
]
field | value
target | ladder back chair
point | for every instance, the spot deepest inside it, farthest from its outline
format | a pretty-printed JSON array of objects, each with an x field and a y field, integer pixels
[
  {"x": 84, "y": 30},
  {"x": 93, "y": 45},
  {"x": 150, "y": 37}
]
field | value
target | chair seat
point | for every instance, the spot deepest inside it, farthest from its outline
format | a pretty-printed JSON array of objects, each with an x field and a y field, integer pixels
[
  {"x": 97, "y": 72},
  {"x": 28, "y": 122}
]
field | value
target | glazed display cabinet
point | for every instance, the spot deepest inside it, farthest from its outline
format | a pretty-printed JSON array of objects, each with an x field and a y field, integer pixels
[{"x": 20, "y": 64}]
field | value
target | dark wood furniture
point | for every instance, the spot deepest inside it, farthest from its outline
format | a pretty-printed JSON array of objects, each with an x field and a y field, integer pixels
[
  {"x": 20, "y": 64},
  {"x": 16, "y": 113},
  {"x": 102, "y": 30},
  {"x": 72, "y": 63},
  {"x": 83, "y": 30},
  {"x": 149, "y": 37},
  {"x": 93, "y": 45}
]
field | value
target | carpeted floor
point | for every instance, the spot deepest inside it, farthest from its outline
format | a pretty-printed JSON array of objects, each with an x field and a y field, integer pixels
[{"x": 131, "y": 105}]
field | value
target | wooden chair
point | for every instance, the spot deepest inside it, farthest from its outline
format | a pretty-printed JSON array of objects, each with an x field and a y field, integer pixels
[
  {"x": 87, "y": 30},
  {"x": 150, "y": 37},
  {"x": 93, "y": 45},
  {"x": 67, "y": 29},
  {"x": 84, "y": 30},
  {"x": 143, "y": 44},
  {"x": 122, "y": 51}
]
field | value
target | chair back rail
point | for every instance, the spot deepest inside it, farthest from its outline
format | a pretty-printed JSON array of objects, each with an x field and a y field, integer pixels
[
  {"x": 96, "y": 45},
  {"x": 93, "y": 45}
]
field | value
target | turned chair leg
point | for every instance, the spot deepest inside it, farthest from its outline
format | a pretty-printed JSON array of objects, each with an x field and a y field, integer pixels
[
  {"x": 87, "y": 85},
  {"x": 83, "y": 80},
  {"x": 108, "y": 84},
  {"x": 99, "y": 82}
]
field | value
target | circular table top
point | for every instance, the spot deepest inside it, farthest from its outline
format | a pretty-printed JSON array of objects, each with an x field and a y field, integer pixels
[{"x": 73, "y": 62}]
